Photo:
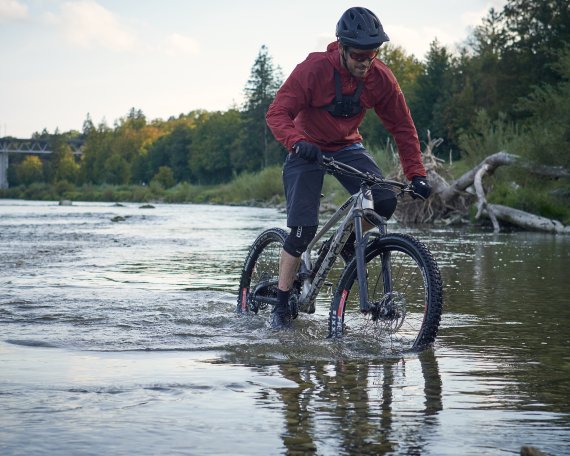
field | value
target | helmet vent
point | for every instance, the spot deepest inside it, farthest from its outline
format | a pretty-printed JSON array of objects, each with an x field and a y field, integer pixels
[{"x": 360, "y": 28}]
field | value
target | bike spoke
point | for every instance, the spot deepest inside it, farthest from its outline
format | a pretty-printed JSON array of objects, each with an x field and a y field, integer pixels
[{"x": 398, "y": 316}]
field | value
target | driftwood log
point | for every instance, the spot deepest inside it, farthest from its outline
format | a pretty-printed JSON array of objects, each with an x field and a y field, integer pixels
[{"x": 451, "y": 201}]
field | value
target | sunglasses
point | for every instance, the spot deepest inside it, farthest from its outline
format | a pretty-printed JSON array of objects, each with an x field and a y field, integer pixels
[{"x": 364, "y": 56}]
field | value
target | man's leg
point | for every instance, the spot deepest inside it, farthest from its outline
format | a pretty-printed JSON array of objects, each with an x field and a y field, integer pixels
[
  {"x": 302, "y": 182},
  {"x": 288, "y": 265},
  {"x": 295, "y": 244}
]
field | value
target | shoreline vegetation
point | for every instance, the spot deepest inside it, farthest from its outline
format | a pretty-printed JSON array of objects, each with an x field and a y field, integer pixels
[
  {"x": 249, "y": 189},
  {"x": 264, "y": 189}
]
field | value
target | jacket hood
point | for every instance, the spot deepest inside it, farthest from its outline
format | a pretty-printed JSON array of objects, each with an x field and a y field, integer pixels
[{"x": 333, "y": 55}]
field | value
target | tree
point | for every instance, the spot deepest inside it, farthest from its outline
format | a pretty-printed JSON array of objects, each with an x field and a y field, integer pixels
[
  {"x": 433, "y": 92},
  {"x": 548, "y": 108},
  {"x": 481, "y": 73},
  {"x": 96, "y": 151},
  {"x": 117, "y": 170},
  {"x": 63, "y": 166},
  {"x": 165, "y": 177},
  {"x": 533, "y": 32},
  {"x": 213, "y": 141},
  {"x": 172, "y": 150},
  {"x": 260, "y": 91},
  {"x": 30, "y": 170}
]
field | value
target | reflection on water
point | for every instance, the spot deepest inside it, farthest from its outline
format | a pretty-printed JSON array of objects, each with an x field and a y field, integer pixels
[
  {"x": 355, "y": 408},
  {"x": 122, "y": 332}
]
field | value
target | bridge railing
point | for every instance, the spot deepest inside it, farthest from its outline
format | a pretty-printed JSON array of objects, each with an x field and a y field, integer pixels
[
  {"x": 32, "y": 146},
  {"x": 27, "y": 146}
]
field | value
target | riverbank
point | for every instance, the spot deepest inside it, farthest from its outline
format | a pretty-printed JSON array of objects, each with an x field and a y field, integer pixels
[
  {"x": 260, "y": 189},
  {"x": 265, "y": 189}
]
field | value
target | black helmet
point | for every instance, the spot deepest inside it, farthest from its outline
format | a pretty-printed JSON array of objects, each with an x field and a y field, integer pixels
[{"x": 360, "y": 28}]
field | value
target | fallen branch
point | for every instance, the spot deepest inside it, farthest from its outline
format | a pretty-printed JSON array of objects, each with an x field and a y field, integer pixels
[
  {"x": 482, "y": 203},
  {"x": 526, "y": 220},
  {"x": 450, "y": 203},
  {"x": 492, "y": 162}
]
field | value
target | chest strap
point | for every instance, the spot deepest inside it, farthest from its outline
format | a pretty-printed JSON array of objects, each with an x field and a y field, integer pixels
[{"x": 345, "y": 105}]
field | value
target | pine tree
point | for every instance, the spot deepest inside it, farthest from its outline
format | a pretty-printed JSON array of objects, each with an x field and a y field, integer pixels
[{"x": 260, "y": 91}]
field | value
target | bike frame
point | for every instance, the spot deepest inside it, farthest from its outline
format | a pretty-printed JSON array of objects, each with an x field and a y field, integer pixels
[{"x": 350, "y": 214}]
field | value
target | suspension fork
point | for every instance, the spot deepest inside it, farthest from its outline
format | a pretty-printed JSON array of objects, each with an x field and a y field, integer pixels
[
  {"x": 386, "y": 267},
  {"x": 360, "y": 247}
]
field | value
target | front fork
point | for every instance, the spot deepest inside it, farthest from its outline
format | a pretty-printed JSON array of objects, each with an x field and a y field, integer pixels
[
  {"x": 360, "y": 250},
  {"x": 360, "y": 247}
]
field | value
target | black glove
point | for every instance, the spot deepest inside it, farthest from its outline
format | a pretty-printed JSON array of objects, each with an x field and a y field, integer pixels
[
  {"x": 308, "y": 151},
  {"x": 421, "y": 187}
]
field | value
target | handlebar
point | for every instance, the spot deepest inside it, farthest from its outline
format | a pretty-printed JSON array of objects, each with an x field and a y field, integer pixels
[{"x": 335, "y": 167}]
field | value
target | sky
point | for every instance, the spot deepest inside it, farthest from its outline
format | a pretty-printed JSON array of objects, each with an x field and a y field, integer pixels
[{"x": 61, "y": 61}]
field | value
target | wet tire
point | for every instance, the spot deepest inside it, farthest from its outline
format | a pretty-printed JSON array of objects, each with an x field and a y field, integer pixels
[
  {"x": 261, "y": 267},
  {"x": 408, "y": 289}
]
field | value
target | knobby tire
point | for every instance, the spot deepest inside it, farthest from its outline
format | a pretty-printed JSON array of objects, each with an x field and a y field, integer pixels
[
  {"x": 414, "y": 302},
  {"x": 261, "y": 266}
]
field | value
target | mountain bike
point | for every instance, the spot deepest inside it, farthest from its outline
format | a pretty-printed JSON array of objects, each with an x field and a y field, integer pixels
[{"x": 390, "y": 290}]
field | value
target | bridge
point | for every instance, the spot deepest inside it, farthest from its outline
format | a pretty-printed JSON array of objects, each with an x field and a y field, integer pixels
[{"x": 28, "y": 146}]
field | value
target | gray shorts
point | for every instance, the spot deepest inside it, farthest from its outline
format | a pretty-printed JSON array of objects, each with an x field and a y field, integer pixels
[{"x": 303, "y": 183}]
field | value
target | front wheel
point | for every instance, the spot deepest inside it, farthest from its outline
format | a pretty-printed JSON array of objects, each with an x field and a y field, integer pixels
[
  {"x": 260, "y": 274},
  {"x": 405, "y": 294}
]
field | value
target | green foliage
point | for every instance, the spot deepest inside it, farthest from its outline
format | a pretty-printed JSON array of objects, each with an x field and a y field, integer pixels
[
  {"x": 405, "y": 67},
  {"x": 214, "y": 139},
  {"x": 165, "y": 177},
  {"x": 172, "y": 150},
  {"x": 487, "y": 137},
  {"x": 531, "y": 195},
  {"x": 67, "y": 168},
  {"x": 116, "y": 170},
  {"x": 30, "y": 170},
  {"x": 266, "y": 185},
  {"x": 432, "y": 92},
  {"x": 548, "y": 108},
  {"x": 260, "y": 148}
]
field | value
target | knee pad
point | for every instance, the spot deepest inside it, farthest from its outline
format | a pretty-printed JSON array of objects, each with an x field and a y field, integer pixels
[
  {"x": 385, "y": 206},
  {"x": 298, "y": 239}
]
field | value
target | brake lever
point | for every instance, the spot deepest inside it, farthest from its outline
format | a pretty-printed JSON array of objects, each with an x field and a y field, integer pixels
[{"x": 408, "y": 189}]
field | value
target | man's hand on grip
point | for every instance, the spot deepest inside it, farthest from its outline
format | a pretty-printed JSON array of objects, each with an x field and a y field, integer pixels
[
  {"x": 308, "y": 151},
  {"x": 421, "y": 187}
]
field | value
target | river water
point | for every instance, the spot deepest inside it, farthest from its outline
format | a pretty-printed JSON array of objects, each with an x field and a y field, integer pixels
[{"x": 119, "y": 337}]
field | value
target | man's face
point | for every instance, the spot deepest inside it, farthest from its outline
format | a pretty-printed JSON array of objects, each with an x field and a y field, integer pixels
[{"x": 358, "y": 61}]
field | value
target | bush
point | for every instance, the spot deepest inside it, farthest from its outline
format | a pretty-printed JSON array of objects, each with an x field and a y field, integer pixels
[
  {"x": 531, "y": 195},
  {"x": 164, "y": 177},
  {"x": 266, "y": 185}
]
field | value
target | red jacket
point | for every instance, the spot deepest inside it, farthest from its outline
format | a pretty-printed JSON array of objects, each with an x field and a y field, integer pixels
[{"x": 297, "y": 112}]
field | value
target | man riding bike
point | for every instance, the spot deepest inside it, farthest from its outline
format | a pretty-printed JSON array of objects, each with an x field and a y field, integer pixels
[{"x": 317, "y": 113}]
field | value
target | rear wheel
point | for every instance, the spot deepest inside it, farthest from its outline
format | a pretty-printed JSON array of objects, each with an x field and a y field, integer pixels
[
  {"x": 260, "y": 275},
  {"x": 404, "y": 292}
]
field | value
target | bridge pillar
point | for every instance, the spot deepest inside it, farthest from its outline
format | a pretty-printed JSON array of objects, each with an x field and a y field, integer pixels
[{"x": 3, "y": 170}]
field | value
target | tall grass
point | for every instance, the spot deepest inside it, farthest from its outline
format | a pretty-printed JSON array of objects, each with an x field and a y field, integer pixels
[{"x": 248, "y": 188}]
